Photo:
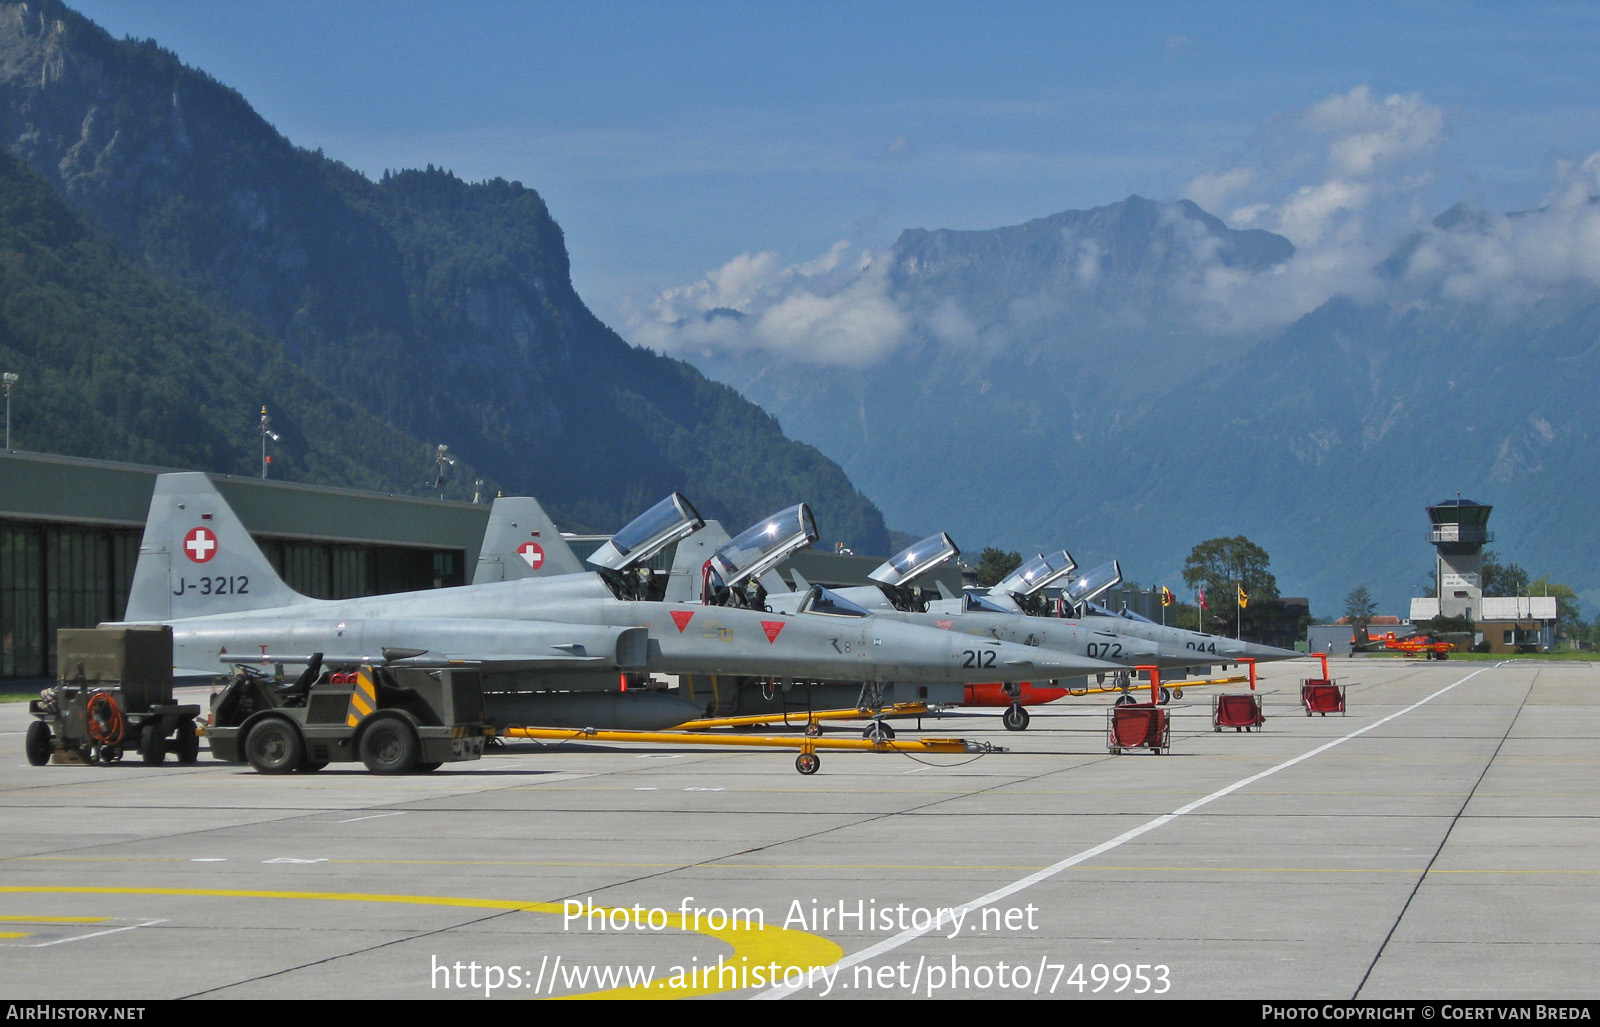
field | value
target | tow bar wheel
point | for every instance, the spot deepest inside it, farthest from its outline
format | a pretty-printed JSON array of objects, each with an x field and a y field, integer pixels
[{"x": 807, "y": 763}]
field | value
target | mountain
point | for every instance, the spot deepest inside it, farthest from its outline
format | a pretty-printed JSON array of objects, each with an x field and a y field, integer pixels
[
  {"x": 1093, "y": 379},
  {"x": 444, "y": 309}
]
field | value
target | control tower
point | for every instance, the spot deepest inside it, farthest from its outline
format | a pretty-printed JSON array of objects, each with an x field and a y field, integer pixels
[{"x": 1460, "y": 531}]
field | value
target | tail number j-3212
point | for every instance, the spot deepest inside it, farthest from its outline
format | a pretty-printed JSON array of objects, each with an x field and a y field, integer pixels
[{"x": 224, "y": 585}]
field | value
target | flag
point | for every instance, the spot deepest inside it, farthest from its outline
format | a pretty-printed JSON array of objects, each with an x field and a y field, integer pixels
[
  {"x": 1244, "y": 600},
  {"x": 1167, "y": 598},
  {"x": 1201, "y": 596}
]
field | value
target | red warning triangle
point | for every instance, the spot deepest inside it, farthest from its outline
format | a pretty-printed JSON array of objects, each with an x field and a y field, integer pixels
[
  {"x": 772, "y": 628},
  {"x": 682, "y": 618}
]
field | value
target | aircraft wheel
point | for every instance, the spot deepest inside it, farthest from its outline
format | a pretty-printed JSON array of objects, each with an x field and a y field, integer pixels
[
  {"x": 1166, "y": 695},
  {"x": 152, "y": 744},
  {"x": 878, "y": 731},
  {"x": 1125, "y": 700},
  {"x": 188, "y": 742},
  {"x": 1015, "y": 718},
  {"x": 389, "y": 746},
  {"x": 38, "y": 743},
  {"x": 273, "y": 747}
]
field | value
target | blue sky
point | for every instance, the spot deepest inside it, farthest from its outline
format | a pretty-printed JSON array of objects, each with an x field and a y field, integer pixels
[{"x": 670, "y": 138}]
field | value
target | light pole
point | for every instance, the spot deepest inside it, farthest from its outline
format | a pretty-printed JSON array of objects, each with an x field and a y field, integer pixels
[
  {"x": 266, "y": 434},
  {"x": 10, "y": 379},
  {"x": 445, "y": 462}
]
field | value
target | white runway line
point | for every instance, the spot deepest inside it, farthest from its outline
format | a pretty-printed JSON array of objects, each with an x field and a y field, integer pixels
[{"x": 890, "y": 944}]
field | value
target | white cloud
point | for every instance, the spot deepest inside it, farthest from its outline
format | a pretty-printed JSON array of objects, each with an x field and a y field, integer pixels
[{"x": 830, "y": 310}]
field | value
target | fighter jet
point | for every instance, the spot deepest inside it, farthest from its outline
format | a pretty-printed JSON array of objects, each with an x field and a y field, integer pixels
[
  {"x": 1013, "y": 610},
  {"x": 1205, "y": 650},
  {"x": 534, "y": 638}
]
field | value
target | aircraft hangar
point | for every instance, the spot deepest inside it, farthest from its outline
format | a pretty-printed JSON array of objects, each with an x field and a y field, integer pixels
[{"x": 70, "y": 531}]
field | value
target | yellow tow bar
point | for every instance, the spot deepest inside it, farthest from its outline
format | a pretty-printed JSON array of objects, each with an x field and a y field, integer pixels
[
  {"x": 808, "y": 719},
  {"x": 806, "y": 763}
]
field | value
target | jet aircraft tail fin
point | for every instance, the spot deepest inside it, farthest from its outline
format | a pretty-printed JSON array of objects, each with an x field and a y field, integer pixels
[
  {"x": 693, "y": 552},
  {"x": 521, "y": 541},
  {"x": 196, "y": 558}
]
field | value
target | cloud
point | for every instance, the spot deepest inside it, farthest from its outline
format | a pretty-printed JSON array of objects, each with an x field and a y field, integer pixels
[
  {"x": 1506, "y": 261},
  {"x": 1345, "y": 179},
  {"x": 832, "y": 310}
]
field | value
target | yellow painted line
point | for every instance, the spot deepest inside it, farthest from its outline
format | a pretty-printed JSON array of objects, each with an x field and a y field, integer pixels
[
  {"x": 753, "y": 946},
  {"x": 54, "y": 919},
  {"x": 12, "y": 935}
]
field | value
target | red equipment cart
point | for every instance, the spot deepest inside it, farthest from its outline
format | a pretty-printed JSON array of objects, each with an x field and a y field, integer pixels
[
  {"x": 1238, "y": 710},
  {"x": 1138, "y": 726},
  {"x": 1320, "y": 695}
]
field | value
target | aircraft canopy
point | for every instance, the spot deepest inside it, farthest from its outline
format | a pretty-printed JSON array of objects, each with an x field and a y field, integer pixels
[
  {"x": 763, "y": 546},
  {"x": 916, "y": 559},
  {"x": 1035, "y": 574},
  {"x": 648, "y": 534}
]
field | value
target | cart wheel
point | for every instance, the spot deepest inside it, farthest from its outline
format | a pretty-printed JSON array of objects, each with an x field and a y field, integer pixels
[
  {"x": 1217, "y": 728},
  {"x": 111, "y": 754},
  {"x": 1015, "y": 718},
  {"x": 1115, "y": 752},
  {"x": 1156, "y": 751},
  {"x": 1125, "y": 699},
  {"x": 1166, "y": 695},
  {"x": 188, "y": 742},
  {"x": 813, "y": 730},
  {"x": 1177, "y": 693},
  {"x": 274, "y": 747},
  {"x": 38, "y": 744},
  {"x": 807, "y": 763},
  {"x": 389, "y": 746},
  {"x": 152, "y": 743},
  {"x": 310, "y": 766}
]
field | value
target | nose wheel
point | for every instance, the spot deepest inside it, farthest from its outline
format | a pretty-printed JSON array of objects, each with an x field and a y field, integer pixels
[{"x": 1015, "y": 718}]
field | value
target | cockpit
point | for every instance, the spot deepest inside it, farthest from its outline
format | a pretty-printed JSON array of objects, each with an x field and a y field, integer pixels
[
  {"x": 624, "y": 558},
  {"x": 894, "y": 575},
  {"x": 1082, "y": 589},
  {"x": 732, "y": 574}
]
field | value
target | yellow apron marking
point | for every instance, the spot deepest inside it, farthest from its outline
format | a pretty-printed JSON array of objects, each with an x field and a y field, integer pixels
[{"x": 757, "y": 947}]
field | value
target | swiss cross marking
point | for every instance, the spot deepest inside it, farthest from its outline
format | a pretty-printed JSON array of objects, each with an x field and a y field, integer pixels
[{"x": 200, "y": 545}]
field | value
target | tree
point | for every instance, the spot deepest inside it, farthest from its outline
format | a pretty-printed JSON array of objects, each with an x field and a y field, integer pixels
[
  {"x": 1220, "y": 563},
  {"x": 1359, "y": 606},
  {"x": 994, "y": 564},
  {"x": 1502, "y": 579},
  {"x": 1569, "y": 617}
]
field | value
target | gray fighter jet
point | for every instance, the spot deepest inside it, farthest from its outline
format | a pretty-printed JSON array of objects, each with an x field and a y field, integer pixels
[
  {"x": 1078, "y": 599},
  {"x": 563, "y": 634}
]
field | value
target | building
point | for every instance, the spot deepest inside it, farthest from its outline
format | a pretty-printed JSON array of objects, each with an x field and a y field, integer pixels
[{"x": 70, "y": 531}]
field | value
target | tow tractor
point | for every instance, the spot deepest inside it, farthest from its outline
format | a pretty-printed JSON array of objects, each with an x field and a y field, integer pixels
[
  {"x": 113, "y": 694},
  {"x": 393, "y": 719}
]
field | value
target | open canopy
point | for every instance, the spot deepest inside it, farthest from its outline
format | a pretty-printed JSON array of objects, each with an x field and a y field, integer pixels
[
  {"x": 763, "y": 546},
  {"x": 916, "y": 559},
  {"x": 1036, "y": 574},
  {"x": 648, "y": 534},
  {"x": 1090, "y": 584}
]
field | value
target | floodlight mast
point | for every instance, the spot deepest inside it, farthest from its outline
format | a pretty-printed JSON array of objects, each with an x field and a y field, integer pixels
[
  {"x": 266, "y": 434},
  {"x": 10, "y": 378}
]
